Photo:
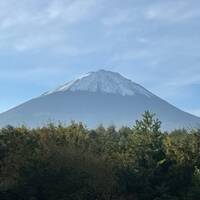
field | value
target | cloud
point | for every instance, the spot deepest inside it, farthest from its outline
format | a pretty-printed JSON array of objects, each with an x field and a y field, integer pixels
[
  {"x": 72, "y": 12},
  {"x": 172, "y": 11},
  {"x": 119, "y": 17},
  {"x": 28, "y": 74},
  {"x": 37, "y": 13},
  {"x": 132, "y": 55},
  {"x": 189, "y": 79},
  {"x": 28, "y": 25}
]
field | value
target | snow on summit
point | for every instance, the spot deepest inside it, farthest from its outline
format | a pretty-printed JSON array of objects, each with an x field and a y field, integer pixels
[{"x": 103, "y": 81}]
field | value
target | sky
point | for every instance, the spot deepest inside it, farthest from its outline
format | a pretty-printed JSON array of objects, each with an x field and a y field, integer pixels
[{"x": 156, "y": 43}]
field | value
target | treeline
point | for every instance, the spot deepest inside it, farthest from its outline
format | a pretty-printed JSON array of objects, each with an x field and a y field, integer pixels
[{"x": 74, "y": 163}]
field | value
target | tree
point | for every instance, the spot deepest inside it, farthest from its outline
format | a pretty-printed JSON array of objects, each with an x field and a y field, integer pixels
[{"x": 147, "y": 124}]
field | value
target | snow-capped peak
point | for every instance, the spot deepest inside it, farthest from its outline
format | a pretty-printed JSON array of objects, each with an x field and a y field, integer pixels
[{"x": 103, "y": 81}]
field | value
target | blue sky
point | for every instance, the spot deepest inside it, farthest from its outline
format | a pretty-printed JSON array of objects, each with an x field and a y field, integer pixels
[{"x": 156, "y": 43}]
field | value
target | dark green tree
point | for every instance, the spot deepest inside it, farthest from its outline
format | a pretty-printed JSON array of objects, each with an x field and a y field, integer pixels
[{"x": 147, "y": 124}]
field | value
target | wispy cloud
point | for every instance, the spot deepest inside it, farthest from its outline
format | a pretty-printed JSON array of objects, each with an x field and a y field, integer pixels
[
  {"x": 173, "y": 11},
  {"x": 118, "y": 17},
  {"x": 71, "y": 12},
  {"x": 41, "y": 25}
]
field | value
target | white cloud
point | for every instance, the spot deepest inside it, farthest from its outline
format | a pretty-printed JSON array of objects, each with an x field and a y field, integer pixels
[
  {"x": 186, "y": 80},
  {"x": 131, "y": 55},
  {"x": 119, "y": 17},
  {"x": 29, "y": 74},
  {"x": 70, "y": 11},
  {"x": 53, "y": 11},
  {"x": 37, "y": 25},
  {"x": 173, "y": 11}
]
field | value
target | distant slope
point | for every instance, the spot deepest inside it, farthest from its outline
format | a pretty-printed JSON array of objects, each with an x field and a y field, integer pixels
[{"x": 100, "y": 97}]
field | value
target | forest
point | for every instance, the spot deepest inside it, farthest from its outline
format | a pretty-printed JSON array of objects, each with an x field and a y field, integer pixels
[{"x": 58, "y": 162}]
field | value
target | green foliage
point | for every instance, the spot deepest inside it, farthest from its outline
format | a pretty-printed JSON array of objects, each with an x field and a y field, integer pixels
[
  {"x": 148, "y": 124},
  {"x": 74, "y": 163}
]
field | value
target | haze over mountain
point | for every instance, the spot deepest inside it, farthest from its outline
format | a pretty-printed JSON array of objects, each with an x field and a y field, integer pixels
[{"x": 101, "y": 97}]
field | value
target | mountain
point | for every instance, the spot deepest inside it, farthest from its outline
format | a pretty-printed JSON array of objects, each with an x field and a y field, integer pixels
[{"x": 101, "y": 97}]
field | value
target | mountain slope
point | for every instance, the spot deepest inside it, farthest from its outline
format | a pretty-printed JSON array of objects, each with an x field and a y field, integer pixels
[{"x": 98, "y": 97}]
